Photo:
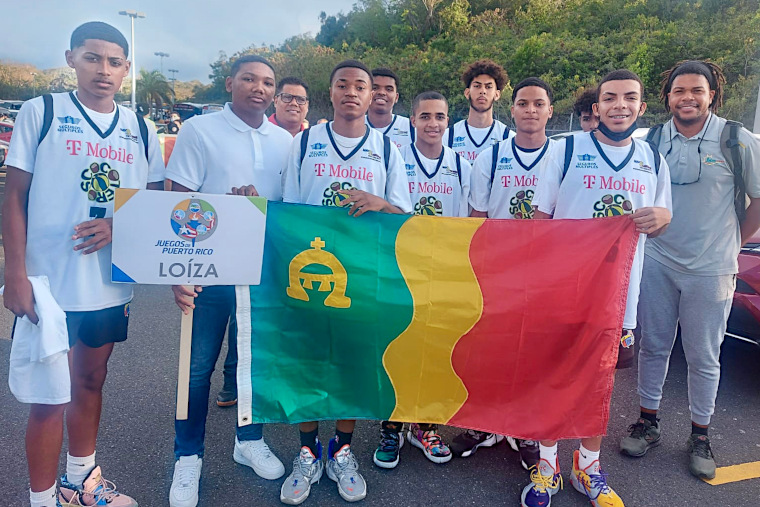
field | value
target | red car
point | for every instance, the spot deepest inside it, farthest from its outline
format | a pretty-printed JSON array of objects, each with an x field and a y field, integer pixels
[
  {"x": 744, "y": 321},
  {"x": 6, "y": 129}
]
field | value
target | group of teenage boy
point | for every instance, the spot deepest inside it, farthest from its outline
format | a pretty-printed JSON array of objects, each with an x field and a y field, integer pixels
[{"x": 682, "y": 189}]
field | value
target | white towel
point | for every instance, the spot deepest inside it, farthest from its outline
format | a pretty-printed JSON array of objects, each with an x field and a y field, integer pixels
[{"x": 39, "y": 366}]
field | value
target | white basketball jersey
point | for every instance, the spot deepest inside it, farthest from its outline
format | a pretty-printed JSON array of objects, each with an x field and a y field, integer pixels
[
  {"x": 438, "y": 187},
  {"x": 400, "y": 130},
  {"x": 327, "y": 171},
  {"x": 76, "y": 171},
  {"x": 505, "y": 188},
  {"x": 469, "y": 141},
  {"x": 604, "y": 181}
]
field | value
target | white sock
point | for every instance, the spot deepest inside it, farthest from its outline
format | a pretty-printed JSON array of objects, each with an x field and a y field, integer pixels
[
  {"x": 549, "y": 454},
  {"x": 43, "y": 498},
  {"x": 586, "y": 457},
  {"x": 77, "y": 469}
]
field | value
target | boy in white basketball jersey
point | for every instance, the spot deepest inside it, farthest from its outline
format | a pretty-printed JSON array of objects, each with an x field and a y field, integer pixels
[
  {"x": 483, "y": 80},
  {"x": 505, "y": 175},
  {"x": 380, "y": 114},
  {"x": 439, "y": 184},
  {"x": 504, "y": 179},
  {"x": 598, "y": 174},
  {"x": 341, "y": 163},
  {"x": 68, "y": 154}
]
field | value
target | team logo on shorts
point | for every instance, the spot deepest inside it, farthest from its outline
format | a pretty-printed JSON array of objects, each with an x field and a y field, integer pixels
[
  {"x": 335, "y": 194},
  {"x": 428, "y": 206},
  {"x": 520, "y": 205},
  {"x": 99, "y": 181},
  {"x": 194, "y": 220},
  {"x": 612, "y": 206},
  {"x": 126, "y": 310}
]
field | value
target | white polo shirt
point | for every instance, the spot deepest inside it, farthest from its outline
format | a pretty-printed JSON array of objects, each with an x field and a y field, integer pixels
[{"x": 215, "y": 152}]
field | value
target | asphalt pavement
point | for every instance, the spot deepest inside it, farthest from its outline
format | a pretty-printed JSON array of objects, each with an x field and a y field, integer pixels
[{"x": 136, "y": 439}]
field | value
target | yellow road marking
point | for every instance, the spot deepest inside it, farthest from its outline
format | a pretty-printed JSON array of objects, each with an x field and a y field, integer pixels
[{"x": 735, "y": 473}]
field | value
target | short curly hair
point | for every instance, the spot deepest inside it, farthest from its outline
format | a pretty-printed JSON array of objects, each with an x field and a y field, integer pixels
[
  {"x": 488, "y": 67},
  {"x": 584, "y": 101}
]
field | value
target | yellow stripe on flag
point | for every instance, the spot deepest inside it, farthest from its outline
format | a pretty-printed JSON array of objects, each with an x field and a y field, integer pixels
[
  {"x": 434, "y": 258},
  {"x": 735, "y": 473}
]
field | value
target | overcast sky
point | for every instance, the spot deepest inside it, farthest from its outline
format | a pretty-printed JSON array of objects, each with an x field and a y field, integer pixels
[{"x": 191, "y": 31}]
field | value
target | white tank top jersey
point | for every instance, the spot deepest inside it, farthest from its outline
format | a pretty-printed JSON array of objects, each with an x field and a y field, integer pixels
[
  {"x": 76, "y": 169},
  {"x": 437, "y": 187},
  {"x": 399, "y": 130},
  {"x": 469, "y": 141},
  {"x": 604, "y": 181},
  {"x": 506, "y": 191},
  {"x": 327, "y": 170}
]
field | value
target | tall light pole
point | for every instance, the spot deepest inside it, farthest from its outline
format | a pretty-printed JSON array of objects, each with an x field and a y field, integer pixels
[
  {"x": 161, "y": 55},
  {"x": 173, "y": 71},
  {"x": 132, "y": 15},
  {"x": 34, "y": 84}
]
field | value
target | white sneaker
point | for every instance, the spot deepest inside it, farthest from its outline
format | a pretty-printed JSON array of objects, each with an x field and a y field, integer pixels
[
  {"x": 187, "y": 474},
  {"x": 257, "y": 455}
]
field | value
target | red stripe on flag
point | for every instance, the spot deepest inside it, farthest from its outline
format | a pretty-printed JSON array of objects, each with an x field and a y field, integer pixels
[{"x": 539, "y": 364}]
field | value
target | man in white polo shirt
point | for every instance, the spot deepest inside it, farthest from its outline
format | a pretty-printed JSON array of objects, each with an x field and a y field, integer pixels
[{"x": 234, "y": 151}]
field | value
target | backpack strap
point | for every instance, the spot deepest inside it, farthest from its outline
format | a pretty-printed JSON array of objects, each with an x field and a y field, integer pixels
[
  {"x": 451, "y": 136},
  {"x": 47, "y": 116},
  {"x": 656, "y": 154},
  {"x": 731, "y": 149},
  {"x": 459, "y": 169},
  {"x": 654, "y": 135},
  {"x": 569, "y": 145},
  {"x": 494, "y": 160},
  {"x": 387, "y": 151},
  {"x": 304, "y": 143},
  {"x": 143, "y": 132}
]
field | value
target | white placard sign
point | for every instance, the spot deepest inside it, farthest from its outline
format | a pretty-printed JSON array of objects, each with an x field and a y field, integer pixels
[{"x": 173, "y": 238}]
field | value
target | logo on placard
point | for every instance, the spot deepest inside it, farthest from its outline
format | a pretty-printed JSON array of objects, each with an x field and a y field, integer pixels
[{"x": 194, "y": 220}]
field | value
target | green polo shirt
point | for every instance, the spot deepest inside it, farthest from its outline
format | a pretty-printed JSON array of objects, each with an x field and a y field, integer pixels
[{"x": 703, "y": 237}]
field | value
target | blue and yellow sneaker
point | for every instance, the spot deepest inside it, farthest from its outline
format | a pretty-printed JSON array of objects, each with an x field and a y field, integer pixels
[
  {"x": 592, "y": 482},
  {"x": 545, "y": 481}
]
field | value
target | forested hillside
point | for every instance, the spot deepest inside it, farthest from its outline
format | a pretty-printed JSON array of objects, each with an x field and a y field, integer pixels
[{"x": 569, "y": 43}]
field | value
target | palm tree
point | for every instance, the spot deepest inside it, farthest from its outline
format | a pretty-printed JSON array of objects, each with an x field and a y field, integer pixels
[{"x": 154, "y": 88}]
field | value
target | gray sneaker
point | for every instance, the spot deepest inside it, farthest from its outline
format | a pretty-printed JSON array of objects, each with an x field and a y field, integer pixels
[
  {"x": 343, "y": 468},
  {"x": 701, "y": 458},
  {"x": 642, "y": 436},
  {"x": 307, "y": 469}
]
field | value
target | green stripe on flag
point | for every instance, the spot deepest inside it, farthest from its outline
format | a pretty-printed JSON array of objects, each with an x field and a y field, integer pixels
[{"x": 299, "y": 348}]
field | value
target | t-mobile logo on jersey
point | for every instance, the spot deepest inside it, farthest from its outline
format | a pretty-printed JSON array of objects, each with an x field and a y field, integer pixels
[
  {"x": 339, "y": 171},
  {"x": 611, "y": 183},
  {"x": 519, "y": 181}
]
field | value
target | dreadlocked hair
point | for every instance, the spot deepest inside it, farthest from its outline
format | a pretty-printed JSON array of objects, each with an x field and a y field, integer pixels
[{"x": 707, "y": 68}]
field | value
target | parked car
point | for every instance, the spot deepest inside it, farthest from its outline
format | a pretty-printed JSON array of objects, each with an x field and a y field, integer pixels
[
  {"x": 6, "y": 129},
  {"x": 744, "y": 321}
]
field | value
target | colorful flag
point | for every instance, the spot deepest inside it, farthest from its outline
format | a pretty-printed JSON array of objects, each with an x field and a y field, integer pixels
[{"x": 506, "y": 326}]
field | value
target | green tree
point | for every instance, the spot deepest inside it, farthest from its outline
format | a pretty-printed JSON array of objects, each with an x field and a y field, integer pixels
[{"x": 153, "y": 88}]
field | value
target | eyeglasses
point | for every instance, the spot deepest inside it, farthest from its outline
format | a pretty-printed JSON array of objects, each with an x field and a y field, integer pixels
[
  {"x": 674, "y": 180},
  {"x": 288, "y": 98}
]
